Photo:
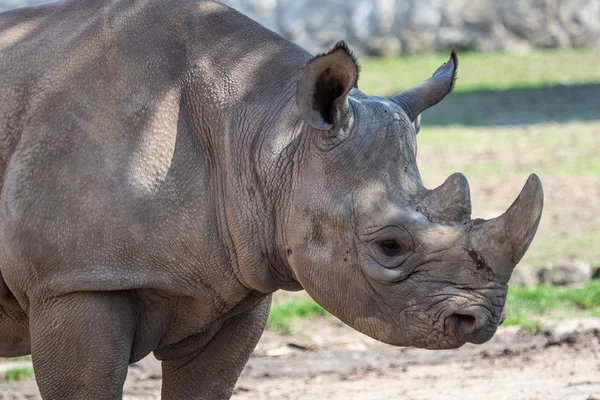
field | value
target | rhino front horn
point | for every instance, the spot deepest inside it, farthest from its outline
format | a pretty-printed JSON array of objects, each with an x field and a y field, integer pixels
[{"x": 501, "y": 242}]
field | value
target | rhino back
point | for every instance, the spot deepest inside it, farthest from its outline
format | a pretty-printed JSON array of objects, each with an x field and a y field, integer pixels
[{"x": 112, "y": 120}]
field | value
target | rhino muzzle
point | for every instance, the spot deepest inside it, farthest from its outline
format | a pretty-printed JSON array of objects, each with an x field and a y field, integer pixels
[{"x": 471, "y": 325}]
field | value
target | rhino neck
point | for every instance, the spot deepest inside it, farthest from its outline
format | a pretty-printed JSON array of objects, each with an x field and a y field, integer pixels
[
  {"x": 255, "y": 166},
  {"x": 261, "y": 150},
  {"x": 247, "y": 116}
]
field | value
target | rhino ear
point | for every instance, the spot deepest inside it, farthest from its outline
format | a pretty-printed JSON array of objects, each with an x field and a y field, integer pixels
[{"x": 322, "y": 90}]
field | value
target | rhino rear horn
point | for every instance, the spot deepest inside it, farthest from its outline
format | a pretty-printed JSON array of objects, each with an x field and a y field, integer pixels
[
  {"x": 449, "y": 202},
  {"x": 430, "y": 92},
  {"x": 503, "y": 241}
]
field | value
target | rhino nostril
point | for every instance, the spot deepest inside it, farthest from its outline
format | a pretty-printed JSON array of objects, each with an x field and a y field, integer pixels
[
  {"x": 466, "y": 323},
  {"x": 472, "y": 326}
]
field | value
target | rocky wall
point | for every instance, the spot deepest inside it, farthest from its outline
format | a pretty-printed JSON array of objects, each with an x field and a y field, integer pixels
[{"x": 392, "y": 27}]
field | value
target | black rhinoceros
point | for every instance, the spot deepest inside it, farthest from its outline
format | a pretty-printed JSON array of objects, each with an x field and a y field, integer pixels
[{"x": 167, "y": 165}]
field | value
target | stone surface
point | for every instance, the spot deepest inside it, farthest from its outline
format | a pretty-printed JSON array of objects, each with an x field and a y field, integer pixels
[
  {"x": 390, "y": 27},
  {"x": 565, "y": 273},
  {"x": 567, "y": 331},
  {"x": 523, "y": 276}
]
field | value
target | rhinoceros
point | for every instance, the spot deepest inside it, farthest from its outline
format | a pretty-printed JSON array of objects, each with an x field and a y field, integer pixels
[{"x": 168, "y": 165}]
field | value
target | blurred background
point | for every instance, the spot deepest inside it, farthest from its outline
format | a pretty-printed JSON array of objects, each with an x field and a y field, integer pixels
[
  {"x": 527, "y": 100},
  {"x": 393, "y": 27}
]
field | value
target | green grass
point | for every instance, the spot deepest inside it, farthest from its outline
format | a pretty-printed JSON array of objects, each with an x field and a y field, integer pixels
[
  {"x": 530, "y": 307},
  {"x": 496, "y": 89},
  {"x": 282, "y": 316},
  {"x": 484, "y": 71},
  {"x": 18, "y": 374}
]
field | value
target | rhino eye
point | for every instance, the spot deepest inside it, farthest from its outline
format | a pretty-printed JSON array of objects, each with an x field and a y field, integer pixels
[{"x": 390, "y": 248}]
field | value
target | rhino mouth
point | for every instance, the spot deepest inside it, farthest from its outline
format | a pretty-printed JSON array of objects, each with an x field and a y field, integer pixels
[
  {"x": 439, "y": 340},
  {"x": 458, "y": 331},
  {"x": 450, "y": 327}
]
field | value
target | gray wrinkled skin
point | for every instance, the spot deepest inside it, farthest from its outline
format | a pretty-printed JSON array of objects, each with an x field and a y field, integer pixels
[{"x": 168, "y": 165}]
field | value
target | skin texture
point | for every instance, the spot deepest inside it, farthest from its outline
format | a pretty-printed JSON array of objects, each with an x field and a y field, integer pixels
[{"x": 168, "y": 165}]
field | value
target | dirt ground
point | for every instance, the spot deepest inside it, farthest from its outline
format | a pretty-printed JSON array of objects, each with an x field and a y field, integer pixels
[{"x": 327, "y": 360}]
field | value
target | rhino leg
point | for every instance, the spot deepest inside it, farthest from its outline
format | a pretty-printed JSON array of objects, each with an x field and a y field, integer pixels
[
  {"x": 81, "y": 344},
  {"x": 14, "y": 325},
  {"x": 208, "y": 368},
  {"x": 14, "y": 334}
]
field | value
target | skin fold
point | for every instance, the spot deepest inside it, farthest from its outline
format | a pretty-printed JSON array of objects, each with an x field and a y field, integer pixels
[{"x": 167, "y": 165}]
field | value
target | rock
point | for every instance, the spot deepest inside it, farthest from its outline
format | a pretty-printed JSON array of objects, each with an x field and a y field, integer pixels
[
  {"x": 580, "y": 20},
  {"x": 553, "y": 36},
  {"x": 383, "y": 17},
  {"x": 384, "y": 47},
  {"x": 455, "y": 38},
  {"x": 324, "y": 26},
  {"x": 596, "y": 273},
  {"x": 289, "y": 15},
  {"x": 523, "y": 275},
  {"x": 415, "y": 42},
  {"x": 360, "y": 25},
  {"x": 424, "y": 15},
  {"x": 385, "y": 28},
  {"x": 527, "y": 19},
  {"x": 566, "y": 273},
  {"x": 570, "y": 331},
  {"x": 369, "y": 27}
]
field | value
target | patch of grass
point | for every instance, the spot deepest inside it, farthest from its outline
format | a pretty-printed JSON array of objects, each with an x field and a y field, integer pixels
[
  {"x": 499, "y": 88},
  {"x": 529, "y": 306},
  {"x": 484, "y": 71},
  {"x": 18, "y": 374},
  {"x": 282, "y": 316}
]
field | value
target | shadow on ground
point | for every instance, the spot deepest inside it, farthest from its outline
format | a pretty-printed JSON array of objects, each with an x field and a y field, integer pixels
[{"x": 519, "y": 106}]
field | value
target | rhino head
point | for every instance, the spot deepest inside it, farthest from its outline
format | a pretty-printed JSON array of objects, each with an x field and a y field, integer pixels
[{"x": 401, "y": 263}]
